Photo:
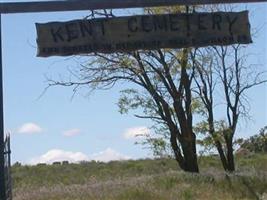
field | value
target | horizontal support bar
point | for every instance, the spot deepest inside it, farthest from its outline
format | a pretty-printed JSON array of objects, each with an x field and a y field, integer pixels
[{"x": 75, "y": 5}]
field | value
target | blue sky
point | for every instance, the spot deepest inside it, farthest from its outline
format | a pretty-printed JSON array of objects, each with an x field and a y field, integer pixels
[{"x": 84, "y": 127}]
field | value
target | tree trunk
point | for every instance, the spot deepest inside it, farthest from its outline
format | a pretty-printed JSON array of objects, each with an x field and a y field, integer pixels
[
  {"x": 191, "y": 164},
  {"x": 177, "y": 153},
  {"x": 230, "y": 155},
  {"x": 222, "y": 155},
  {"x": 190, "y": 154},
  {"x": 187, "y": 161}
]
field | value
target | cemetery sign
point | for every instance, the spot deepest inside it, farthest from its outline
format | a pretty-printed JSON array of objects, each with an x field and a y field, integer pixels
[{"x": 147, "y": 32}]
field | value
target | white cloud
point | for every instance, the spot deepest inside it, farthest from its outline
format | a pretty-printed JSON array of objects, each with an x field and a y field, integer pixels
[
  {"x": 71, "y": 132},
  {"x": 136, "y": 131},
  {"x": 59, "y": 155},
  {"x": 109, "y": 155},
  {"x": 30, "y": 128}
]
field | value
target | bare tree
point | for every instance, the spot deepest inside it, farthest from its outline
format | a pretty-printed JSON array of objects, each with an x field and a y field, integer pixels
[{"x": 224, "y": 71}]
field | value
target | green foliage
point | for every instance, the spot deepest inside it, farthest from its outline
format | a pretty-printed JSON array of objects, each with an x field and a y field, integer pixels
[
  {"x": 208, "y": 140},
  {"x": 165, "y": 9},
  {"x": 158, "y": 146},
  {"x": 256, "y": 143},
  {"x": 132, "y": 99},
  {"x": 158, "y": 142},
  {"x": 198, "y": 107}
]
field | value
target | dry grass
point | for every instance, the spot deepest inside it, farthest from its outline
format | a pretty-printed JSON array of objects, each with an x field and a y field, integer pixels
[{"x": 133, "y": 181}]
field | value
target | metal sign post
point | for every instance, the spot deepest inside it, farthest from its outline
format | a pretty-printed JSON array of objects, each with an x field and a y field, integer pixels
[
  {"x": 2, "y": 139},
  {"x": 75, "y": 5},
  {"x": 71, "y": 5}
]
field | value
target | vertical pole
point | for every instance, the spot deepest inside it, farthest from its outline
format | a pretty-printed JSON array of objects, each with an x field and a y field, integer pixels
[
  {"x": 9, "y": 184},
  {"x": 9, "y": 151},
  {"x": 2, "y": 143}
]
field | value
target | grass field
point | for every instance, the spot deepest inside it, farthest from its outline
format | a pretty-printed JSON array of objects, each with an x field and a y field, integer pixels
[{"x": 141, "y": 180}]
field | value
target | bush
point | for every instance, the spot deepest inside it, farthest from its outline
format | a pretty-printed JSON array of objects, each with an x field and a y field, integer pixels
[{"x": 256, "y": 143}]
